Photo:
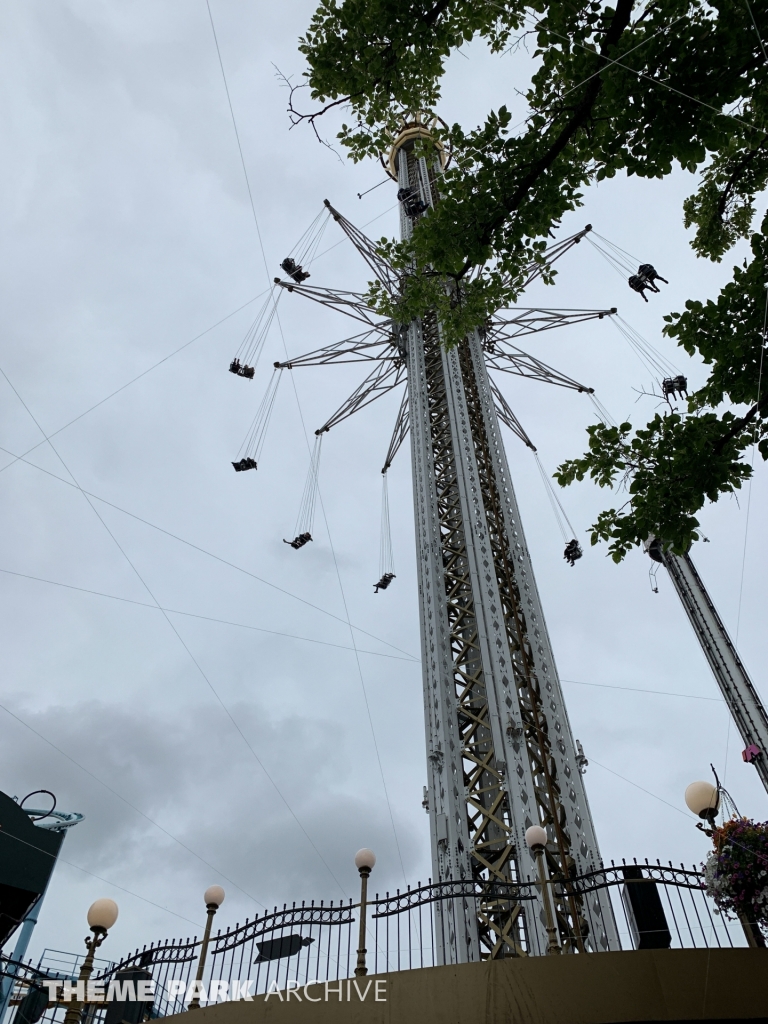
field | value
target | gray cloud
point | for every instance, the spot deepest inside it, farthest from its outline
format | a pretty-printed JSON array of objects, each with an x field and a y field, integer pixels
[{"x": 127, "y": 232}]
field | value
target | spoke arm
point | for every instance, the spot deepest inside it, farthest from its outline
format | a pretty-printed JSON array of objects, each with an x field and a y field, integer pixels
[
  {"x": 513, "y": 360},
  {"x": 350, "y": 303},
  {"x": 508, "y": 418},
  {"x": 368, "y": 250},
  {"x": 399, "y": 434},
  {"x": 381, "y": 380},
  {"x": 532, "y": 320},
  {"x": 373, "y": 345},
  {"x": 553, "y": 253}
]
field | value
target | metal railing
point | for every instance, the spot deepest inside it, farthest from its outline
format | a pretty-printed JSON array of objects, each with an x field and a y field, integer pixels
[{"x": 316, "y": 943}]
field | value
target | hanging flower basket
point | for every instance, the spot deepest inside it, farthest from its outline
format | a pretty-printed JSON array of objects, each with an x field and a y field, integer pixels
[{"x": 736, "y": 872}]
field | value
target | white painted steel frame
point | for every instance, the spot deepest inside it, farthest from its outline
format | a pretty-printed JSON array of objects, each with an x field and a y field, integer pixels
[
  {"x": 488, "y": 780},
  {"x": 729, "y": 672}
]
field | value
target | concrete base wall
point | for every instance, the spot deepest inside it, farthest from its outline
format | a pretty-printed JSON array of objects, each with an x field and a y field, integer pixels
[{"x": 598, "y": 988}]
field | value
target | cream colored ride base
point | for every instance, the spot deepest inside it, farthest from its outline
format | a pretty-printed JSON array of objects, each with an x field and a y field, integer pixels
[{"x": 597, "y": 988}]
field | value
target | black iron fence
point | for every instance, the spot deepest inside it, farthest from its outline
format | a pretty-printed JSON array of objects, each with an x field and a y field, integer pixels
[{"x": 315, "y": 944}]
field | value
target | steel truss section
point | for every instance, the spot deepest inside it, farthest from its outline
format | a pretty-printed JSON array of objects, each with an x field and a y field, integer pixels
[
  {"x": 497, "y": 734},
  {"x": 368, "y": 250},
  {"x": 552, "y": 254},
  {"x": 521, "y": 364},
  {"x": 399, "y": 434},
  {"x": 350, "y": 303},
  {"x": 727, "y": 667},
  {"x": 558, "y": 785},
  {"x": 533, "y": 321},
  {"x": 382, "y": 379},
  {"x": 357, "y": 349},
  {"x": 500, "y": 749}
]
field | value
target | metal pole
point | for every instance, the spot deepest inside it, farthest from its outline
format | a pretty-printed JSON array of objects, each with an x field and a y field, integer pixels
[
  {"x": 731, "y": 676},
  {"x": 22, "y": 944},
  {"x": 361, "y": 969},
  {"x": 75, "y": 1008},
  {"x": 195, "y": 1003},
  {"x": 754, "y": 936},
  {"x": 553, "y": 939}
]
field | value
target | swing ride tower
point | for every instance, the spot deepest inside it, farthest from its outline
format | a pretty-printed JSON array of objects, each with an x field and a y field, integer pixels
[{"x": 501, "y": 756}]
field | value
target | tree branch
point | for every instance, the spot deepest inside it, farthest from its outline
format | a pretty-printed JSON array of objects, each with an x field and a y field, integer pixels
[
  {"x": 619, "y": 23},
  {"x": 436, "y": 11},
  {"x": 739, "y": 424},
  {"x": 296, "y": 117},
  {"x": 740, "y": 167}
]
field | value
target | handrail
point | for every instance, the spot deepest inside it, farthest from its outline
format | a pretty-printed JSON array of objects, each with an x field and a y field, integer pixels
[
  {"x": 321, "y": 914},
  {"x": 475, "y": 889},
  {"x": 603, "y": 878},
  {"x": 289, "y": 917}
]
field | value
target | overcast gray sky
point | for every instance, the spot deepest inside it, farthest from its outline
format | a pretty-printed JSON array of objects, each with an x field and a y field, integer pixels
[{"x": 204, "y": 752}]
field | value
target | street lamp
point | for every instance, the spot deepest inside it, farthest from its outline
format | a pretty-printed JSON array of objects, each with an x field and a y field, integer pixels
[
  {"x": 536, "y": 841},
  {"x": 364, "y": 862},
  {"x": 213, "y": 897},
  {"x": 101, "y": 916},
  {"x": 703, "y": 799}
]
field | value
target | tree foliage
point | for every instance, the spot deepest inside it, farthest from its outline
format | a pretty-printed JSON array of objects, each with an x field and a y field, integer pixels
[{"x": 635, "y": 87}]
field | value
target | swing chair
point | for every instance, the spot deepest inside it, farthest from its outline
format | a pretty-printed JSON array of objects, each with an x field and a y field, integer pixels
[
  {"x": 573, "y": 551},
  {"x": 641, "y": 280},
  {"x": 243, "y": 464},
  {"x": 300, "y": 541},
  {"x": 305, "y": 249},
  {"x": 306, "y": 516},
  {"x": 242, "y": 371},
  {"x": 250, "y": 449},
  {"x": 386, "y": 558},
  {"x": 413, "y": 204},
  {"x": 294, "y": 270},
  {"x": 674, "y": 387}
]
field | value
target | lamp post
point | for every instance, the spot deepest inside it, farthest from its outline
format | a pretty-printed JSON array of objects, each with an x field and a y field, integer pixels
[
  {"x": 213, "y": 898},
  {"x": 536, "y": 841},
  {"x": 101, "y": 916},
  {"x": 703, "y": 799},
  {"x": 364, "y": 862}
]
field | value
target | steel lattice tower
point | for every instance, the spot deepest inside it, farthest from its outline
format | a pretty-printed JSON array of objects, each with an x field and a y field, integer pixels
[
  {"x": 500, "y": 752},
  {"x": 738, "y": 691}
]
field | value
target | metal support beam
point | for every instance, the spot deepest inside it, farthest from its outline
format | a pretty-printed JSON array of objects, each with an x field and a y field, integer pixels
[
  {"x": 507, "y": 417},
  {"x": 399, "y": 434},
  {"x": 350, "y": 303},
  {"x": 553, "y": 253},
  {"x": 500, "y": 751},
  {"x": 378, "y": 343},
  {"x": 368, "y": 250},
  {"x": 382, "y": 379},
  {"x": 727, "y": 667},
  {"x": 533, "y": 320}
]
